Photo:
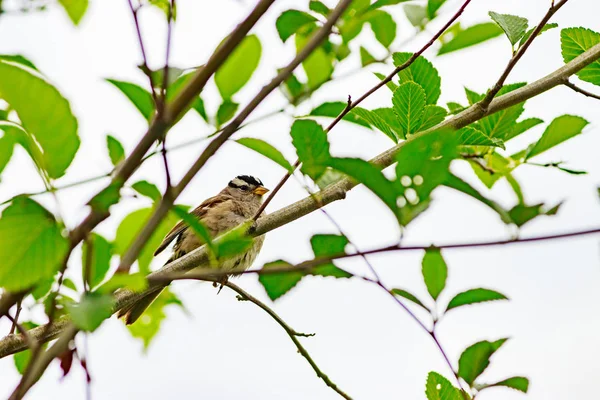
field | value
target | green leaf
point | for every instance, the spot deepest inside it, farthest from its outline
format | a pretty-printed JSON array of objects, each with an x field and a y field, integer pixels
[
  {"x": 7, "y": 144},
  {"x": 513, "y": 26},
  {"x": 226, "y": 111},
  {"x": 75, "y": 9},
  {"x": 439, "y": 388},
  {"x": 148, "y": 325},
  {"x": 19, "y": 59},
  {"x": 501, "y": 124},
  {"x": 560, "y": 129},
  {"x": 310, "y": 141},
  {"x": 416, "y": 14},
  {"x": 471, "y": 36},
  {"x": 370, "y": 176},
  {"x": 147, "y": 189},
  {"x": 473, "y": 296},
  {"x": 389, "y": 117},
  {"x": 237, "y": 70},
  {"x": 233, "y": 242},
  {"x": 375, "y": 120},
  {"x": 384, "y": 3},
  {"x": 198, "y": 106},
  {"x": 575, "y": 41},
  {"x": 318, "y": 66},
  {"x": 136, "y": 282},
  {"x": 116, "y": 152},
  {"x": 469, "y": 136},
  {"x": 409, "y": 106},
  {"x": 32, "y": 247},
  {"x": 521, "y": 127},
  {"x": 496, "y": 167},
  {"x": 329, "y": 177},
  {"x": 22, "y": 360},
  {"x": 140, "y": 97},
  {"x": 91, "y": 311},
  {"x": 107, "y": 197},
  {"x": 335, "y": 108},
  {"x": 409, "y": 296},
  {"x": 366, "y": 58},
  {"x": 329, "y": 245},
  {"x": 433, "y": 6},
  {"x": 516, "y": 382},
  {"x": 267, "y": 150},
  {"x": 432, "y": 116},
  {"x": 290, "y": 21},
  {"x": 476, "y": 358},
  {"x": 319, "y": 7},
  {"x": 435, "y": 272},
  {"x": 390, "y": 84},
  {"x": 130, "y": 227},
  {"x": 44, "y": 113},
  {"x": 278, "y": 284},
  {"x": 545, "y": 28},
  {"x": 522, "y": 213},
  {"x": 422, "y": 72},
  {"x": 96, "y": 254},
  {"x": 197, "y": 226},
  {"x": 164, "y": 6},
  {"x": 384, "y": 27}
]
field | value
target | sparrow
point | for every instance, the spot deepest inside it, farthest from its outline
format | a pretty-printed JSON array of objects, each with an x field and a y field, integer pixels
[{"x": 238, "y": 202}]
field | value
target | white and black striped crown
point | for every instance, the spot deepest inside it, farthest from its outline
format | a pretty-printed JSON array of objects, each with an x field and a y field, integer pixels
[{"x": 244, "y": 180}]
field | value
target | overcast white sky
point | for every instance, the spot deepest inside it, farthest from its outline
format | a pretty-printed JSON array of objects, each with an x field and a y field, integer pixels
[{"x": 223, "y": 349}]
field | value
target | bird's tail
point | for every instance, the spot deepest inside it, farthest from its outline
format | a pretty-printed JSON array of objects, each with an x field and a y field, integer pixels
[{"x": 133, "y": 312}]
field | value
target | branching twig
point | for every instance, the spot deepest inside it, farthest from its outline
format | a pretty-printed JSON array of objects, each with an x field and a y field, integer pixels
[
  {"x": 352, "y": 105},
  {"x": 336, "y": 191},
  {"x": 517, "y": 56},
  {"x": 291, "y": 333},
  {"x": 577, "y": 89}
]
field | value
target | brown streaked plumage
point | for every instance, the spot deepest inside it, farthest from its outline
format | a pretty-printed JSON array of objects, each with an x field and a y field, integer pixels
[{"x": 235, "y": 204}]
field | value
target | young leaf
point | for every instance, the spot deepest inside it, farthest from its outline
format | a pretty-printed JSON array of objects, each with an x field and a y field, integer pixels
[
  {"x": 516, "y": 382},
  {"x": 383, "y": 26},
  {"x": 318, "y": 66},
  {"x": 389, "y": 117},
  {"x": 32, "y": 246},
  {"x": 319, "y": 7},
  {"x": 439, "y": 388},
  {"x": 326, "y": 245},
  {"x": 501, "y": 124},
  {"x": 116, "y": 152},
  {"x": 96, "y": 254},
  {"x": 237, "y": 70},
  {"x": 366, "y": 58},
  {"x": 267, "y": 150},
  {"x": 197, "y": 226},
  {"x": 469, "y": 136},
  {"x": 129, "y": 229},
  {"x": 140, "y": 97},
  {"x": 147, "y": 189},
  {"x": 476, "y": 358},
  {"x": 522, "y": 213},
  {"x": 44, "y": 113},
  {"x": 75, "y": 9},
  {"x": 473, "y": 296},
  {"x": 409, "y": 106},
  {"x": 560, "y": 129},
  {"x": 7, "y": 144},
  {"x": 335, "y": 108},
  {"x": 433, "y": 6},
  {"x": 471, "y": 36},
  {"x": 278, "y": 284},
  {"x": 432, "y": 116},
  {"x": 290, "y": 21},
  {"x": 310, "y": 141},
  {"x": 226, "y": 111},
  {"x": 390, "y": 84},
  {"x": 435, "y": 272},
  {"x": 108, "y": 197},
  {"x": 416, "y": 15},
  {"x": 575, "y": 41},
  {"x": 384, "y": 3},
  {"x": 233, "y": 242},
  {"x": 409, "y": 296},
  {"x": 514, "y": 27},
  {"x": 545, "y": 28},
  {"x": 521, "y": 127},
  {"x": 375, "y": 120},
  {"x": 148, "y": 325},
  {"x": 91, "y": 311},
  {"x": 422, "y": 72}
]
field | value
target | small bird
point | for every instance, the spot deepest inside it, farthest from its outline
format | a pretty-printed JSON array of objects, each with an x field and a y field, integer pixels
[{"x": 239, "y": 201}]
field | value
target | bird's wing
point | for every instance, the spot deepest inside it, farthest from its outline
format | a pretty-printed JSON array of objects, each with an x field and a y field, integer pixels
[{"x": 198, "y": 212}]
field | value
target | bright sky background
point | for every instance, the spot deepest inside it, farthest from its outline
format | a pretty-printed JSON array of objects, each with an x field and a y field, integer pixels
[{"x": 224, "y": 349}]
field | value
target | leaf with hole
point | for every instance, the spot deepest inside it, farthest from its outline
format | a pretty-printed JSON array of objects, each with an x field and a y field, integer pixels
[{"x": 439, "y": 388}]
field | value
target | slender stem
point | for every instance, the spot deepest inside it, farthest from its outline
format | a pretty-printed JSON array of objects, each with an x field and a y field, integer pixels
[
  {"x": 577, "y": 89},
  {"x": 517, "y": 56},
  {"x": 352, "y": 104},
  {"x": 291, "y": 333}
]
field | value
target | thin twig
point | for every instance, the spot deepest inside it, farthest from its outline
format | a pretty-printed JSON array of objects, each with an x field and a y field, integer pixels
[
  {"x": 291, "y": 333},
  {"x": 577, "y": 89},
  {"x": 517, "y": 56},
  {"x": 167, "y": 201},
  {"x": 351, "y": 105},
  {"x": 16, "y": 319}
]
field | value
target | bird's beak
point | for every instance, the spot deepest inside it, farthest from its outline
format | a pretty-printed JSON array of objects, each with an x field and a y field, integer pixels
[{"x": 260, "y": 190}]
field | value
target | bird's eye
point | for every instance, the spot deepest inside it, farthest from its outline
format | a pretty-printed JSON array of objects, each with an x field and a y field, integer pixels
[{"x": 245, "y": 188}]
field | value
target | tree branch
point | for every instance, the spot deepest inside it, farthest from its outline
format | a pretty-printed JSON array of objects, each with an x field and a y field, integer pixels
[
  {"x": 577, "y": 89},
  {"x": 337, "y": 191}
]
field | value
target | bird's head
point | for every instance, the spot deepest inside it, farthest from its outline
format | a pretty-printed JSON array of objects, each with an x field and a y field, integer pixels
[{"x": 246, "y": 187}]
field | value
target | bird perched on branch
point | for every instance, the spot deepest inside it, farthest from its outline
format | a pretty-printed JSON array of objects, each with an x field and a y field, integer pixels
[{"x": 239, "y": 201}]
